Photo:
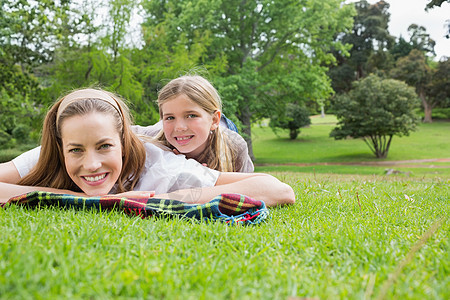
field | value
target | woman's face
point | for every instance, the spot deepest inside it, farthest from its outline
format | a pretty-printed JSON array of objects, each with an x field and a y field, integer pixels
[
  {"x": 187, "y": 126},
  {"x": 92, "y": 152}
]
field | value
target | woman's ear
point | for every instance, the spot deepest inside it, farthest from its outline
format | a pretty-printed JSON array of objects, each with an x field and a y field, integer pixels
[{"x": 216, "y": 119}]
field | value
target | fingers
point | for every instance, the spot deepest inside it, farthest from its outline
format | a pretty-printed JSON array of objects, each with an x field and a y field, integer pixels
[{"x": 137, "y": 194}]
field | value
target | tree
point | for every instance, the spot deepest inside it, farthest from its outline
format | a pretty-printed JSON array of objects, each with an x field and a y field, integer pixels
[
  {"x": 375, "y": 110},
  {"x": 438, "y": 3},
  {"x": 369, "y": 38},
  {"x": 434, "y": 3},
  {"x": 414, "y": 70},
  {"x": 439, "y": 87},
  {"x": 401, "y": 48},
  {"x": 296, "y": 117},
  {"x": 268, "y": 53},
  {"x": 420, "y": 39}
]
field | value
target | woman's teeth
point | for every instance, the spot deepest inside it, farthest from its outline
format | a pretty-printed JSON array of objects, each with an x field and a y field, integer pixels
[{"x": 95, "y": 178}]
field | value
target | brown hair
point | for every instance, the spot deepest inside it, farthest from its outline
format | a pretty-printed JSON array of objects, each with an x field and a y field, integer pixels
[
  {"x": 50, "y": 171},
  {"x": 220, "y": 154}
]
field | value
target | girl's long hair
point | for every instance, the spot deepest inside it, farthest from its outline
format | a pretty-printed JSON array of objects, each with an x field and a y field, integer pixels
[
  {"x": 220, "y": 153},
  {"x": 50, "y": 171}
]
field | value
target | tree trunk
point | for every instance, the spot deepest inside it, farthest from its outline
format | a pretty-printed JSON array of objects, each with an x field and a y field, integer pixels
[
  {"x": 427, "y": 109},
  {"x": 293, "y": 133},
  {"x": 245, "y": 118}
]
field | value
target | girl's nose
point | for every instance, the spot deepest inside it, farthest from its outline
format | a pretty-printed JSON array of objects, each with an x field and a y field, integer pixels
[{"x": 180, "y": 125}]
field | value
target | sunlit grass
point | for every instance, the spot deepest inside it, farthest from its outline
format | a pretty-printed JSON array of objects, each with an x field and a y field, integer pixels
[{"x": 342, "y": 240}]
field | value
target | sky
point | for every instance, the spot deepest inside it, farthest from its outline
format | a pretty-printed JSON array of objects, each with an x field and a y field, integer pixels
[{"x": 406, "y": 12}]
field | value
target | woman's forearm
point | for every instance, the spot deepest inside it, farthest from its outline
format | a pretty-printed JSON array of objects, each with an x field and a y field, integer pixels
[
  {"x": 7, "y": 191},
  {"x": 258, "y": 186},
  {"x": 9, "y": 173}
]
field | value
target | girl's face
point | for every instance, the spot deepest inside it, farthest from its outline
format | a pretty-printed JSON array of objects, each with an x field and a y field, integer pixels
[
  {"x": 187, "y": 126},
  {"x": 92, "y": 152}
]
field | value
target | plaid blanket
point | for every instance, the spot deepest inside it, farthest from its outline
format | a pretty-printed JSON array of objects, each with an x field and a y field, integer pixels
[{"x": 229, "y": 208}]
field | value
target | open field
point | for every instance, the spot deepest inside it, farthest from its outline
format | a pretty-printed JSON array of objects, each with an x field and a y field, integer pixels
[
  {"x": 314, "y": 151},
  {"x": 347, "y": 237}
]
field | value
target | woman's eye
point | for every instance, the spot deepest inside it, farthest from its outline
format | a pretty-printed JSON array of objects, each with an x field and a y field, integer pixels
[
  {"x": 105, "y": 146},
  {"x": 75, "y": 150}
]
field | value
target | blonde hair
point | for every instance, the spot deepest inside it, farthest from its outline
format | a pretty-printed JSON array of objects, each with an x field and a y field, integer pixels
[
  {"x": 220, "y": 153},
  {"x": 50, "y": 171}
]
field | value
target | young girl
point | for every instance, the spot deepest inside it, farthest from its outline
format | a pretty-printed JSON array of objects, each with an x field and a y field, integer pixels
[
  {"x": 190, "y": 109},
  {"x": 88, "y": 148}
]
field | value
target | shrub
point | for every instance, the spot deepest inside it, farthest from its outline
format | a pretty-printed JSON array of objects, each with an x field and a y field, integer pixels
[
  {"x": 296, "y": 117},
  {"x": 376, "y": 110}
]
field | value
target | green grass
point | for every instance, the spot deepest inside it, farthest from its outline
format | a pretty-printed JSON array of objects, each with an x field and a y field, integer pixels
[
  {"x": 347, "y": 237},
  {"x": 314, "y": 146},
  {"x": 343, "y": 239}
]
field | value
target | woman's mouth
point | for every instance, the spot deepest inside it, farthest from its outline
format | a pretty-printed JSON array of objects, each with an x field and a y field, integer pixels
[{"x": 95, "y": 180}]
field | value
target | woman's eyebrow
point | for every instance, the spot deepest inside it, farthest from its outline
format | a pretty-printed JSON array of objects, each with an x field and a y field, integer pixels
[
  {"x": 103, "y": 141},
  {"x": 74, "y": 145}
]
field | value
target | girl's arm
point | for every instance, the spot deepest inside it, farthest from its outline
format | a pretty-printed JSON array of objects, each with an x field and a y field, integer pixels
[{"x": 256, "y": 185}]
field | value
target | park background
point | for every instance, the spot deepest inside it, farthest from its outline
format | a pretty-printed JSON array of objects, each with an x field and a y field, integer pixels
[{"x": 362, "y": 226}]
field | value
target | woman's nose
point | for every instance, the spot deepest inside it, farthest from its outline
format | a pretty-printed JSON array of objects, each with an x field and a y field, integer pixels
[{"x": 92, "y": 162}]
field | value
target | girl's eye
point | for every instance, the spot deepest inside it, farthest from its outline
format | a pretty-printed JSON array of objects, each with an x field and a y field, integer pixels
[
  {"x": 192, "y": 116},
  {"x": 169, "y": 118}
]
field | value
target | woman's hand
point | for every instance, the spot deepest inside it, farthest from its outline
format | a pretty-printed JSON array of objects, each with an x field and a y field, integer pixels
[{"x": 135, "y": 194}]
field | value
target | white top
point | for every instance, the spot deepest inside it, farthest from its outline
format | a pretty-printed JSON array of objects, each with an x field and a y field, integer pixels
[
  {"x": 26, "y": 161},
  {"x": 164, "y": 171}
]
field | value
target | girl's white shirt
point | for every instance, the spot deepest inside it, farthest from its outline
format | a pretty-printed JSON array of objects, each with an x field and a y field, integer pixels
[{"x": 164, "y": 171}]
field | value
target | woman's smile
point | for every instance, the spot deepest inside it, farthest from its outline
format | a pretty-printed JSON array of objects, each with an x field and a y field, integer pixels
[{"x": 92, "y": 152}]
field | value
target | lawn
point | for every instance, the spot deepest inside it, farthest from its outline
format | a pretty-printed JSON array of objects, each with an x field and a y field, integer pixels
[
  {"x": 323, "y": 154},
  {"x": 358, "y": 236},
  {"x": 347, "y": 237}
]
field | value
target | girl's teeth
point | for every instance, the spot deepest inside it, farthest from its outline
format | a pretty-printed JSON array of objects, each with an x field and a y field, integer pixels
[
  {"x": 183, "y": 138},
  {"x": 95, "y": 178}
]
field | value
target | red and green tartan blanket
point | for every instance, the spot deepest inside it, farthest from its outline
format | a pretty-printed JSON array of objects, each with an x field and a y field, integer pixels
[{"x": 229, "y": 208}]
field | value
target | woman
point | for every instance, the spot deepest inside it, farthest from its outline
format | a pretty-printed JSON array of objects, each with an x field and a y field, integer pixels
[{"x": 89, "y": 149}]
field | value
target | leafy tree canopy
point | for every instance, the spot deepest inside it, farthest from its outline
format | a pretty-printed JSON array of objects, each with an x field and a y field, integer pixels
[
  {"x": 369, "y": 39},
  {"x": 261, "y": 49}
]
